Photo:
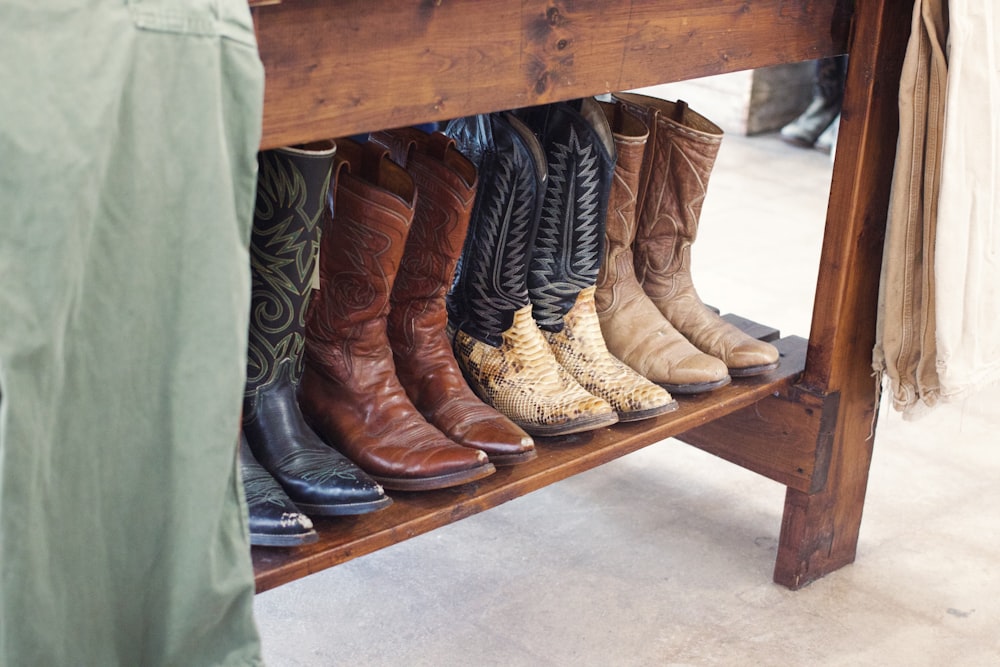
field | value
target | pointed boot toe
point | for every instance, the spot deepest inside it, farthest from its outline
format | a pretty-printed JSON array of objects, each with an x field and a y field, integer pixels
[
  {"x": 318, "y": 479},
  {"x": 580, "y": 348},
  {"x": 696, "y": 374},
  {"x": 752, "y": 357},
  {"x": 274, "y": 521},
  {"x": 503, "y": 441}
]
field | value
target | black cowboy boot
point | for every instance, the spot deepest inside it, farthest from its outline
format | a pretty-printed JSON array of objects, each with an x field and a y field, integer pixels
[
  {"x": 567, "y": 255},
  {"x": 503, "y": 354},
  {"x": 274, "y": 520},
  {"x": 292, "y": 188}
]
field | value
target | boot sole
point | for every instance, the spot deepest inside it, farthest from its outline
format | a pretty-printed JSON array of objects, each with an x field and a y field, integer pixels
[
  {"x": 345, "y": 509},
  {"x": 750, "y": 371},
  {"x": 698, "y": 388},
  {"x": 639, "y": 415},
  {"x": 575, "y": 426},
  {"x": 432, "y": 483},
  {"x": 266, "y": 540},
  {"x": 512, "y": 459}
]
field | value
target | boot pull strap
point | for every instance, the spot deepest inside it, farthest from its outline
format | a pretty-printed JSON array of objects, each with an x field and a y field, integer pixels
[
  {"x": 680, "y": 108},
  {"x": 438, "y": 145},
  {"x": 401, "y": 143},
  {"x": 378, "y": 168},
  {"x": 371, "y": 161}
]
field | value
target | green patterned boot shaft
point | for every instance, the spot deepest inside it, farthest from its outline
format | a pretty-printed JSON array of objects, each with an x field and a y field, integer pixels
[{"x": 292, "y": 189}]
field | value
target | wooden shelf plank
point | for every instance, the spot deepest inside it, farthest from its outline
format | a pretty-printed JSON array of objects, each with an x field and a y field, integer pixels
[
  {"x": 344, "y": 538},
  {"x": 340, "y": 68}
]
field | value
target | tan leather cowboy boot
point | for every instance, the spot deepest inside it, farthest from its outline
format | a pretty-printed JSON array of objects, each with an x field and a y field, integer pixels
[
  {"x": 634, "y": 329},
  {"x": 418, "y": 318},
  {"x": 567, "y": 255},
  {"x": 682, "y": 149},
  {"x": 350, "y": 393}
]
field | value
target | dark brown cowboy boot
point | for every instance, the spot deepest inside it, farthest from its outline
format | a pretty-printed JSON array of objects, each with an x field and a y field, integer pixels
[
  {"x": 350, "y": 392},
  {"x": 682, "y": 149},
  {"x": 634, "y": 329},
  {"x": 418, "y": 318}
]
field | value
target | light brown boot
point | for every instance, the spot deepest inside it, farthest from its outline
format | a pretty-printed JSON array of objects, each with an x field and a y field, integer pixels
[
  {"x": 682, "y": 149},
  {"x": 350, "y": 393},
  {"x": 418, "y": 318},
  {"x": 634, "y": 329}
]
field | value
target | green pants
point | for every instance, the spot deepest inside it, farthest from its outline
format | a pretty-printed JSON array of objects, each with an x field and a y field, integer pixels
[{"x": 128, "y": 133}]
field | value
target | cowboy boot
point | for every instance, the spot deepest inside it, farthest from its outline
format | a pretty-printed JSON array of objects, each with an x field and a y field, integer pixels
[
  {"x": 634, "y": 329},
  {"x": 291, "y": 189},
  {"x": 682, "y": 152},
  {"x": 350, "y": 392},
  {"x": 274, "y": 520},
  {"x": 504, "y": 356},
  {"x": 418, "y": 319},
  {"x": 568, "y": 251}
]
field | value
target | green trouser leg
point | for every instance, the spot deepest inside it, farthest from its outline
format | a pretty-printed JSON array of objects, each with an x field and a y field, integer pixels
[{"x": 127, "y": 173}]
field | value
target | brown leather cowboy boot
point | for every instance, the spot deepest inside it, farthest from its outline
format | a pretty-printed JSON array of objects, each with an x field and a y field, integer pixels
[
  {"x": 418, "y": 318},
  {"x": 634, "y": 329},
  {"x": 350, "y": 392},
  {"x": 682, "y": 152}
]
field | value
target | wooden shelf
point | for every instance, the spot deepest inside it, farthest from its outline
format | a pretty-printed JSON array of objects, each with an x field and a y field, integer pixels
[
  {"x": 350, "y": 66},
  {"x": 344, "y": 538},
  {"x": 340, "y": 68}
]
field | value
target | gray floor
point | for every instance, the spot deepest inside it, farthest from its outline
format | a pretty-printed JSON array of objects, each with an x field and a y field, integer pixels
[{"x": 664, "y": 557}]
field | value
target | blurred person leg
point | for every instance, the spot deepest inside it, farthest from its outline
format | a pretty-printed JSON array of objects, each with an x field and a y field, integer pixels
[
  {"x": 129, "y": 138},
  {"x": 824, "y": 109}
]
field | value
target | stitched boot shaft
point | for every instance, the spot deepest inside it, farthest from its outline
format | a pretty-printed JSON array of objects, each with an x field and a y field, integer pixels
[
  {"x": 350, "y": 392},
  {"x": 567, "y": 254},
  {"x": 634, "y": 329},
  {"x": 417, "y": 321},
  {"x": 680, "y": 157},
  {"x": 291, "y": 190},
  {"x": 502, "y": 353},
  {"x": 274, "y": 521},
  {"x": 492, "y": 285}
]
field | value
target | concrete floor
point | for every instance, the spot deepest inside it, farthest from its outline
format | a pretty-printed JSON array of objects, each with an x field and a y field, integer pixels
[{"x": 665, "y": 556}]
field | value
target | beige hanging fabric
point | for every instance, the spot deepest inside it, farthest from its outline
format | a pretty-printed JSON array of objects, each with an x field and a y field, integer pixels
[{"x": 938, "y": 307}]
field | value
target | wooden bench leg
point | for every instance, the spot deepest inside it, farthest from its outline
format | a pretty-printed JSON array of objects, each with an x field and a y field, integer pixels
[{"x": 819, "y": 531}]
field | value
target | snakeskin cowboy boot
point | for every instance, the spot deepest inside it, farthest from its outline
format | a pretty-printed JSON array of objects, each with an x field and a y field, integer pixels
[
  {"x": 291, "y": 189},
  {"x": 350, "y": 392},
  {"x": 634, "y": 329},
  {"x": 567, "y": 254},
  {"x": 418, "y": 318},
  {"x": 504, "y": 356},
  {"x": 682, "y": 149}
]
